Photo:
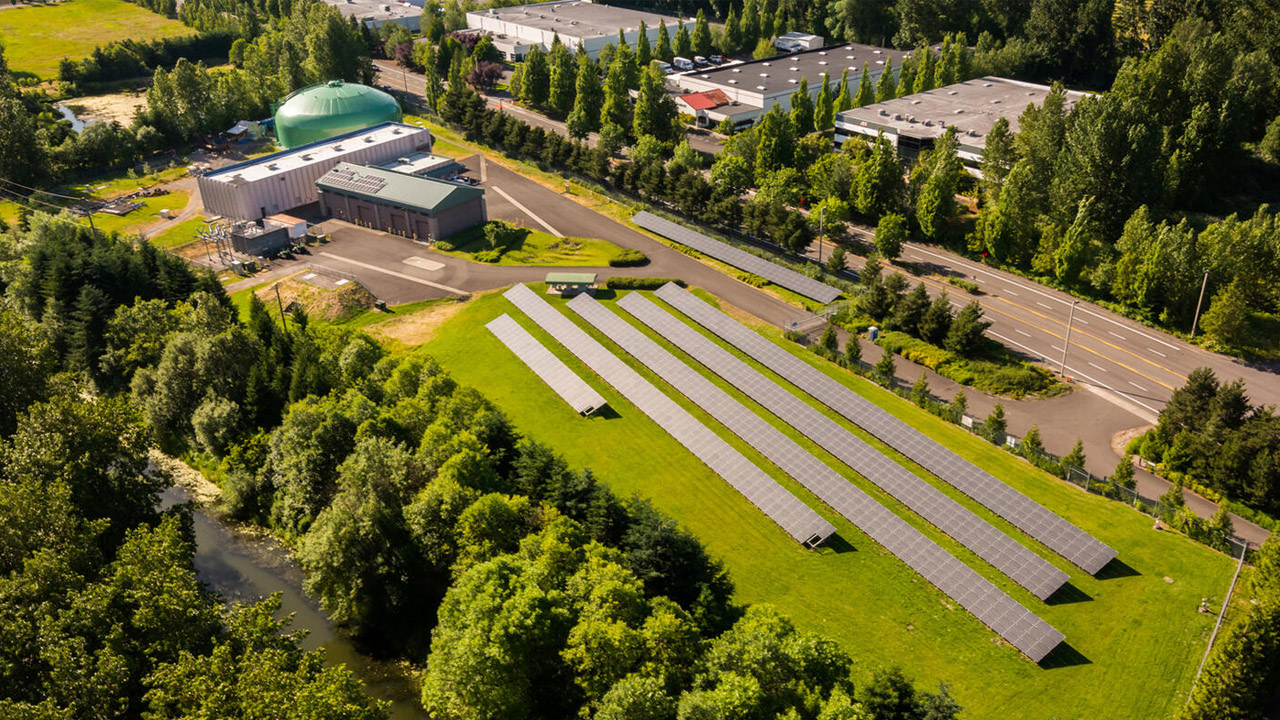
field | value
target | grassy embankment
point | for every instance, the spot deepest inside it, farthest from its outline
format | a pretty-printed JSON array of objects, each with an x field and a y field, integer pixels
[
  {"x": 531, "y": 247},
  {"x": 37, "y": 38},
  {"x": 1134, "y": 637}
]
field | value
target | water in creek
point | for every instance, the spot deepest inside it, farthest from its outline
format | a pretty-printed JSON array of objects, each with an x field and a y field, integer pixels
[
  {"x": 68, "y": 114},
  {"x": 248, "y": 569}
]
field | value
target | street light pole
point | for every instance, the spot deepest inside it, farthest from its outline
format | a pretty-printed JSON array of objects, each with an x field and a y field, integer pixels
[
  {"x": 1196, "y": 321},
  {"x": 1070, "y": 319},
  {"x": 822, "y": 230}
]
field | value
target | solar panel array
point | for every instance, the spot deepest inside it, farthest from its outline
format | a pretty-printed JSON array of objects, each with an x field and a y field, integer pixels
[
  {"x": 741, "y": 259},
  {"x": 571, "y": 388},
  {"x": 1059, "y": 535},
  {"x": 351, "y": 180},
  {"x": 793, "y": 516},
  {"x": 1002, "y": 613},
  {"x": 1003, "y": 552}
]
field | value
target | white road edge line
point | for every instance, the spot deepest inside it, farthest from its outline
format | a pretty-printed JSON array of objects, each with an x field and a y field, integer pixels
[
  {"x": 527, "y": 211},
  {"x": 1157, "y": 352},
  {"x": 1137, "y": 386},
  {"x": 393, "y": 273},
  {"x": 1123, "y": 397}
]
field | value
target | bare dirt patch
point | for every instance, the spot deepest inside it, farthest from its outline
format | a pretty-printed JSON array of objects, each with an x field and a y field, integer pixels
[
  {"x": 1120, "y": 440},
  {"x": 347, "y": 301},
  {"x": 416, "y": 328},
  {"x": 116, "y": 107}
]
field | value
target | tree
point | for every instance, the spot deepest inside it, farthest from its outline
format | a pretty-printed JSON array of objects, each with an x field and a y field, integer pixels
[
  {"x": 1075, "y": 458},
  {"x": 1270, "y": 145},
  {"x": 28, "y": 359},
  {"x": 960, "y": 402},
  {"x": 884, "y": 369},
  {"x": 886, "y": 86},
  {"x": 920, "y": 389},
  {"x": 655, "y": 111},
  {"x": 563, "y": 78},
  {"x": 936, "y": 322},
  {"x": 733, "y": 36},
  {"x": 862, "y": 21},
  {"x": 911, "y": 310},
  {"x": 701, "y": 39},
  {"x": 878, "y": 185},
  {"x": 1226, "y": 322},
  {"x": 866, "y": 91},
  {"x": 615, "y": 115},
  {"x": 1031, "y": 445},
  {"x": 644, "y": 52},
  {"x": 996, "y": 424},
  {"x": 802, "y": 107},
  {"x": 22, "y": 156},
  {"x": 588, "y": 96},
  {"x": 891, "y": 235},
  {"x": 844, "y": 100},
  {"x": 998, "y": 156},
  {"x": 836, "y": 262},
  {"x": 936, "y": 204},
  {"x": 1123, "y": 475},
  {"x": 535, "y": 82},
  {"x": 663, "y": 49},
  {"x": 775, "y": 143},
  {"x": 732, "y": 173},
  {"x": 683, "y": 46},
  {"x": 764, "y": 50},
  {"x": 637, "y": 697},
  {"x": 824, "y": 107},
  {"x": 853, "y": 352},
  {"x": 967, "y": 335}
]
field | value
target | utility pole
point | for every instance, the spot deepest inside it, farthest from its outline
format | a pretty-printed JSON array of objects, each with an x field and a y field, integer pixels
[
  {"x": 1196, "y": 321},
  {"x": 280, "y": 303},
  {"x": 822, "y": 230},
  {"x": 1070, "y": 319}
]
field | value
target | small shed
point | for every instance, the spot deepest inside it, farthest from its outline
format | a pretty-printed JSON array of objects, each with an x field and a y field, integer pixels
[{"x": 567, "y": 284}]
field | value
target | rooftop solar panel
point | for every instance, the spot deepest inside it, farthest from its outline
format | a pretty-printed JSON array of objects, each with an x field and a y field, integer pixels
[
  {"x": 1000, "y": 612},
  {"x": 1056, "y": 533},
  {"x": 571, "y": 388},
  {"x": 1003, "y": 552},
  {"x": 741, "y": 259},
  {"x": 789, "y": 512}
]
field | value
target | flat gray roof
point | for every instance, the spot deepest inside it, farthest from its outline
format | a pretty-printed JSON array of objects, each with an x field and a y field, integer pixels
[
  {"x": 373, "y": 10},
  {"x": 776, "y": 74},
  {"x": 972, "y": 107},
  {"x": 579, "y": 18}
]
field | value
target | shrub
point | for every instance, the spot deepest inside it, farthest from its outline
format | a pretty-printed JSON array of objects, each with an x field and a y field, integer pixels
[
  {"x": 444, "y": 246},
  {"x": 968, "y": 286},
  {"x": 640, "y": 283},
  {"x": 796, "y": 337},
  {"x": 628, "y": 258},
  {"x": 752, "y": 280},
  {"x": 489, "y": 256}
]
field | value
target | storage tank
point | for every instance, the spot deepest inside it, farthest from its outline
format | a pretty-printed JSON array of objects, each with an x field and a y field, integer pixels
[{"x": 332, "y": 108}]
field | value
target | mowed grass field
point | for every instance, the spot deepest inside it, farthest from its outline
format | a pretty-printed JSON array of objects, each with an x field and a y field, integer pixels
[
  {"x": 37, "y": 38},
  {"x": 1134, "y": 637}
]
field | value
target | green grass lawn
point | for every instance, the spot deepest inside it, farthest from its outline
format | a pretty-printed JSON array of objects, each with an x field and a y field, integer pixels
[
  {"x": 1134, "y": 638},
  {"x": 143, "y": 216},
  {"x": 534, "y": 247},
  {"x": 120, "y": 183},
  {"x": 37, "y": 38},
  {"x": 175, "y": 236}
]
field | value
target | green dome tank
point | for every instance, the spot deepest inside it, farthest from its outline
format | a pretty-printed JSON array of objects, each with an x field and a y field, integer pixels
[{"x": 321, "y": 111}]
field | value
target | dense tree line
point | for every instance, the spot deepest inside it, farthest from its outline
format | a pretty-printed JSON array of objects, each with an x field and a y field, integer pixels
[
  {"x": 135, "y": 58},
  {"x": 1210, "y": 433}
]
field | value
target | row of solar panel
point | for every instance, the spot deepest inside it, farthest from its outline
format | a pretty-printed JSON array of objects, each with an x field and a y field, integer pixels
[
  {"x": 741, "y": 259},
  {"x": 565, "y": 382},
  {"x": 994, "y": 607},
  {"x": 1056, "y": 533},
  {"x": 789, "y": 512},
  {"x": 1003, "y": 552}
]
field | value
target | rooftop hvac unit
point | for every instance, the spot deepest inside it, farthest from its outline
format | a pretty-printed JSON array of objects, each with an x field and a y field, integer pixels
[{"x": 897, "y": 116}]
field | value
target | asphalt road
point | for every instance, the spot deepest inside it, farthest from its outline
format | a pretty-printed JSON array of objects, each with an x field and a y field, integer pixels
[{"x": 400, "y": 79}]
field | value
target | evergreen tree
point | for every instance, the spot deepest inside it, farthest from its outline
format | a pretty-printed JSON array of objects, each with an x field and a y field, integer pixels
[
  {"x": 1075, "y": 458},
  {"x": 927, "y": 66},
  {"x": 733, "y": 41},
  {"x": 936, "y": 322},
  {"x": 588, "y": 97},
  {"x": 535, "y": 81},
  {"x": 878, "y": 185},
  {"x": 885, "y": 369},
  {"x": 844, "y": 101},
  {"x": 967, "y": 335},
  {"x": 1123, "y": 475},
  {"x": 824, "y": 107},
  {"x": 920, "y": 390},
  {"x": 936, "y": 206},
  {"x": 655, "y": 111},
  {"x": 996, "y": 424},
  {"x": 829, "y": 341},
  {"x": 836, "y": 261},
  {"x": 911, "y": 310},
  {"x": 887, "y": 86},
  {"x": 663, "y": 50},
  {"x": 702, "y": 35},
  {"x": 563, "y": 80},
  {"x": 616, "y": 110},
  {"x": 866, "y": 92},
  {"x": 853, "y": 352},
  {"x": 1031, "y": 444},
  {"x": 960, "y": 402},
  {"x": 802, "y": 108},
  {"x": 750, "y": 23},
  {"x": 684, "y": 48},
  {"x": 644, "y": 52}
]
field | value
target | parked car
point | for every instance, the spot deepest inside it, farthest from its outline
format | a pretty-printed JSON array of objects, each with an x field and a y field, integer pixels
[
  {"x": 716, "y": 59},
  {"x": 665, "y": 66},
  {"x": 699, "y": 61},
  {"x": 682, "y": 63}
]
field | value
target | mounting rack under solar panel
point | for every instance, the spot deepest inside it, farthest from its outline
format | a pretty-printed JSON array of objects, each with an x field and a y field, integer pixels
[
  {"x": 988, "y": 603},
  {"x": 792, "y": 515},
  {"x": 572, "y": 389},
  {"x": 741, "y": 259},
  {"x": 1003, "y": 552},
  {"x": 1024, "y": 513}
]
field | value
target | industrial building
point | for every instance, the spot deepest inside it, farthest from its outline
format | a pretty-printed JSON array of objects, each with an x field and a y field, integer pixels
[
  {"x": 758, "y": 85},
  {"x": 331, "y": 108},
  {"x": 414, "y": 206},
  {"x": 375, "y": 13},
  {"x": 578, "y": 23},
  {"x": 279, "y": 182},
  {"x": 913, "y": 122}
]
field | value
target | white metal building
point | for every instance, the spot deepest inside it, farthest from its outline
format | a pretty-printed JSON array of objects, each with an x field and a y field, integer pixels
[
  {"x": 913, "y": 122},
  {"x": 578, "y": 23},
  {"x": 761, "y": 84},
  {"x": 376, "y": 13},
  {"x": 276, "y": 183}
]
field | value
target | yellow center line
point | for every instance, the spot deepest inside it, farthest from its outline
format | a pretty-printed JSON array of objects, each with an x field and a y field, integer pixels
[{"x": 1054, "y": 334}]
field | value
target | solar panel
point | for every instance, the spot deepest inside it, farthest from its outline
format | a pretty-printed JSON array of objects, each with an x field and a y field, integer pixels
[
  {"x": 1059, "y": 535},
  {"x": 1003, "y": 552},
  {"x": 741, "y": 259},
  {"x": 571, "y": 388},
  {"x": 351, "y": 180},
  {"x": 793, "y": 516},
  {"x": 987, "y": 602}
]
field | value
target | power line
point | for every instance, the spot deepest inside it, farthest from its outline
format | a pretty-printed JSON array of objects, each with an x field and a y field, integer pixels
[{"x": 46, "y": 192}]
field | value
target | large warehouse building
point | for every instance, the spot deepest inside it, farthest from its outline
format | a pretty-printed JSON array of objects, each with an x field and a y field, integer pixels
[
  {"x": 279, "y": 182},
  {"x": 913, "y": 122},
  {"x": 760, "y": 84},
  {"x": 578, "y": 23},
  {"x": 415, "y": 206}
]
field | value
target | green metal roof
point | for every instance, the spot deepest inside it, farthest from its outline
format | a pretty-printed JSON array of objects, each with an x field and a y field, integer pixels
[
  {"x": 333, "y": 108},
  {"x": 568, "y": 278},
  {"x": 412, "y": 192}
]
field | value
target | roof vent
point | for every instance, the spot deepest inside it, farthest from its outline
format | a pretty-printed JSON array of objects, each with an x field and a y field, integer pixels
[
  {"x": 705, "y": 76},
  {"x": 737, "y": 69},
  {"x": 877, "y": 52},
  {"x": 897, "y": 116},
  {"x": 793, "y": 68},
  {"x": 915, "y": 102},
  {"x": 732, "y": 81},
  {"x": 958, "y": 111},
  {"x": 928, "y": 123},
  {"x": 884, "y": 113},
  {"x": 759, "y": 87},
  {"x": 973, "y": 133},
  {"x": 986, "y": 84},
  {"x": 951, "y": 92},
  {"x": 273, "y": 166},
  {"x": 764, "y": 74},
  {"x": 879, "y": 62},
  {"x": 822, "y": 62},
  {"x": 1031, "y": 93},
  {"x": 996, "y": 101},
  {"x": 794, "y": 81}
]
